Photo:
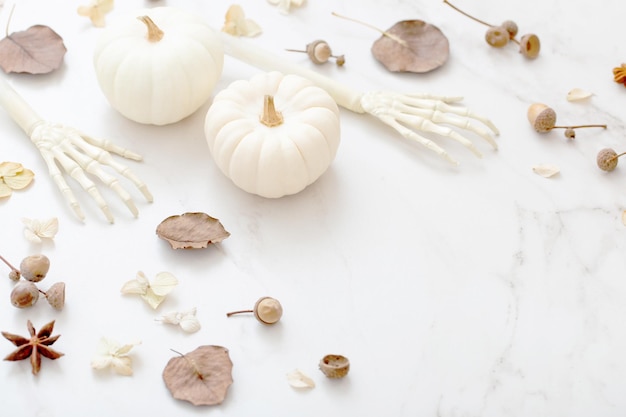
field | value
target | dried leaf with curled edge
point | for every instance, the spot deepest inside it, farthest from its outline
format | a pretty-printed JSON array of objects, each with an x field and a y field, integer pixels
[
  {"x": 191, "y": 231},
  {"x": 201, "y": 377},
  {"x": 36, "y": 50},
  {"x": 412, "y": 46}
]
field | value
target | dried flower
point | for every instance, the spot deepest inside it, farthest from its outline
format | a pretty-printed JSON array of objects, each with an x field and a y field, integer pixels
[
  {"x": 13, "y": 176},
  {"x": 285, "y": 5},
  {"x": 110, "y": 354},
  {"x": 187, "y": 320},
  {"x": 152, "y": 292},
  {"x": 96, "y": 10},
  {"x": 237, "y": 24},
  {"x": 619, "y": 74},
  {"x": 35, "y": 230}
]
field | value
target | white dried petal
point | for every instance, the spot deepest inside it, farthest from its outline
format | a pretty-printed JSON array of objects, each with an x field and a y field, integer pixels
[
  {"x": 577, "y": 94},
  {"x": 152, "y": 292},
  {"x": 111, "y": 354},
  {"x": 35, "y": 230},
  {"x": 285, "y": 5},
  {"x": 187, "y": 320},
  {"x": 546, "y": 170},
  {"x": 624, "y": 217},
  {"x": 298, "y": 379},
  {"x": 237, "y": 24}
]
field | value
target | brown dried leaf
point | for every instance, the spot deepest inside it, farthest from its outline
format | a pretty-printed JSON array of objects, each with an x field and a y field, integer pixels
[
  {"x": 36, "y": 50},
  {"x": 191, "y": 231},
  {"x": 201, "y": 377},
  {"x": 412, "y": 46}
]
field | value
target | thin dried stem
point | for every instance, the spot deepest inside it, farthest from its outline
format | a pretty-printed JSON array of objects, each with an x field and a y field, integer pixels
[
  {"x": 9, "y": 264},
  {"x": 465, "y": 14},
  {"x": 578, "y": 126},
  {"x": 239, "y": 312},
  {"x": 384, "y": 33}
]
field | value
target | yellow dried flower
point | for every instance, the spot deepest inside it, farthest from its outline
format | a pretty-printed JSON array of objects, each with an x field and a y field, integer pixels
[{"x": 619, "y": 74}]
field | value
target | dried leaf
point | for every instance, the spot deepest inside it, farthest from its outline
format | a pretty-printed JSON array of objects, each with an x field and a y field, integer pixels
[
  {"x": 236, "y": 23},
  {"x": 111, "y": 354},
  {"x": 191, "y": 230},
  {"x": 412, "y": 46},
  {"x": 298, "y": 379},
  {"x": 201, "y": 377},
  {"x": 546, "y": 170},
  {"x": 187, "y": 320},
  {"x": 152, "y": 292},
  {"x": 37, "y": 50},
  {"x": 96, "y": 10},
  {"x": 36, "y": 230},
  {"x": 578, "y": 94}
]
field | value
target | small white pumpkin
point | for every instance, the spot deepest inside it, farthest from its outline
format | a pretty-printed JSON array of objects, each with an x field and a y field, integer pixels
[
  {"x": 274, "y": 134},
  {"x": 158, "y": 66}
]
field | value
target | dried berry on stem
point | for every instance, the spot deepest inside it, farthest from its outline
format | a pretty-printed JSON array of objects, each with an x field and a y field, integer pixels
[
  {"x": 499, "y": 36},
  {"x": 319, "y": 52},
  {"x": 607, "y": 159},
  {"x": 267, "y": 310},
  {"x": 543, "y": 119}
]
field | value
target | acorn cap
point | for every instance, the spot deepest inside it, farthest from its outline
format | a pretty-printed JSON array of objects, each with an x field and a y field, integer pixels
[{"x": 334, "y": 366}]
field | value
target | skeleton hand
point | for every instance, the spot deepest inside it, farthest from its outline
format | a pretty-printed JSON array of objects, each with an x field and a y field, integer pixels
[
  {"x": 404, "y": 113},
  {"x": 424, "y": 113},
  {"x": 76, "y": 153}
]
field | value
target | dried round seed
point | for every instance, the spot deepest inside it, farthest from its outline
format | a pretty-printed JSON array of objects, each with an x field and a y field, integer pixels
[
  {"x": 24, "y": 294},
  {"x": 497, "y": 36},
  {"x": 334, "y": 366},
  {"x": 511, "y": 27},
  {"x": 268, "y": 310},
  {"x": 35, "y": 267},
  {"x": 14, "y": 275},
  {"x": 570, "y": 133},
  {"x": 607, "y": 159}
]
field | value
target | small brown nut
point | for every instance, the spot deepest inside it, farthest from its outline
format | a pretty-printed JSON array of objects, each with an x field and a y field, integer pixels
[
  {"x": 35, "y": 267},
  {"x": 570, "y": 133},
  {"x": 529, "y": 46},
  {"x": 268, "y": 310},
  {"x": 24, "y": 294},
  {"x": 56, "y": 295},
  {"x": 334, "y": 366},
  {"x": 511, "y": 27},
  {"x": 497, "y": 36},
  {"x": 14, "y": 275},
  {"x": 541, "y": 117}
]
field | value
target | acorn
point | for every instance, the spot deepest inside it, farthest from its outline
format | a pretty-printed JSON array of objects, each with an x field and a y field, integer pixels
[{"x": 267, "y": 310}]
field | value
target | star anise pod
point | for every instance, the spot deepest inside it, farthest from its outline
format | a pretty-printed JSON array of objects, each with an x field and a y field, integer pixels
[{"x": 34, "y": 347}]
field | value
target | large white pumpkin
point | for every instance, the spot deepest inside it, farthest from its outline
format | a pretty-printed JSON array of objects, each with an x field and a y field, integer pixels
[
  {"x": 161, "y": 69},
  {"x": 273, "y": 153}
]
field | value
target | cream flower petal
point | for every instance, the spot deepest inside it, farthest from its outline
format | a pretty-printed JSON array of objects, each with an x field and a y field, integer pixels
[{"x": 20, "y": 180}]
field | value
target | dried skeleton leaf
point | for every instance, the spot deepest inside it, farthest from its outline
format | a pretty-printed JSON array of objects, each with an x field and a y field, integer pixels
[
  {"x": 36, "y": 50},
  {"x": 191, "y": 231},
  {"x": 201, "y": 377}
]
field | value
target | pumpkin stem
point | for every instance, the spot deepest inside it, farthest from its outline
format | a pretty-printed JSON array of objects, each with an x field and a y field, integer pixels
[
  {"x": 270, "y": 116},
  {"x": 154, "y": 33}
]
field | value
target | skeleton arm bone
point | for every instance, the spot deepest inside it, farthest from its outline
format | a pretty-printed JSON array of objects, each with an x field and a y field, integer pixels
[
  {"x": 75, "y": 152},
  {"x": 405, "y": 113}
]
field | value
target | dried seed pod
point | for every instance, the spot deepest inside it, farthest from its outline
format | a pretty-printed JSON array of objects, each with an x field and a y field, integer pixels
[
  {"x": 529, "y": 46},
  {"x": 541, "y": 117},
  {"x": 56, "y": 295},
  {"x": 267, "y": 310},
  {"x": 511, "y": 27},
  {"x": 14, "y": 275},
  {"x": 319, "y": 52},
  {"x": 24, "y": 294},
  {"x": 35, "y": 267},
  {"x": 570, "y": 133},
  {"x": 497, "y": 36},
  {"x": 334, "y": 366},
  {"x": 607, "y": 159}
]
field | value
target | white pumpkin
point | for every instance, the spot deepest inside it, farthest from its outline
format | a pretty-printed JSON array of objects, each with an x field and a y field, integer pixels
[
  {"x": 274, "y": 134},
  {"x": 158, "y": 66}
]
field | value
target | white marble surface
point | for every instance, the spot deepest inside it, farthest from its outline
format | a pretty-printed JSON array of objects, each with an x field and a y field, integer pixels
[{"x": 478, "y": 290}]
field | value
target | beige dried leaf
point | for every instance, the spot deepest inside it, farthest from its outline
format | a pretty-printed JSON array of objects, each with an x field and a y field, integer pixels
[
  {"x": 191, "y": 231},
  {"x": 298, "y": 379},
  {"x": 546, "y": 170},
  {"x": 201, "y": 377},
  {"x": 578, "y": 94},
  {"x": 237, "y": 24},
  {"x": 412, "y": 46},
  {"x": 36, "y": 50}
]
